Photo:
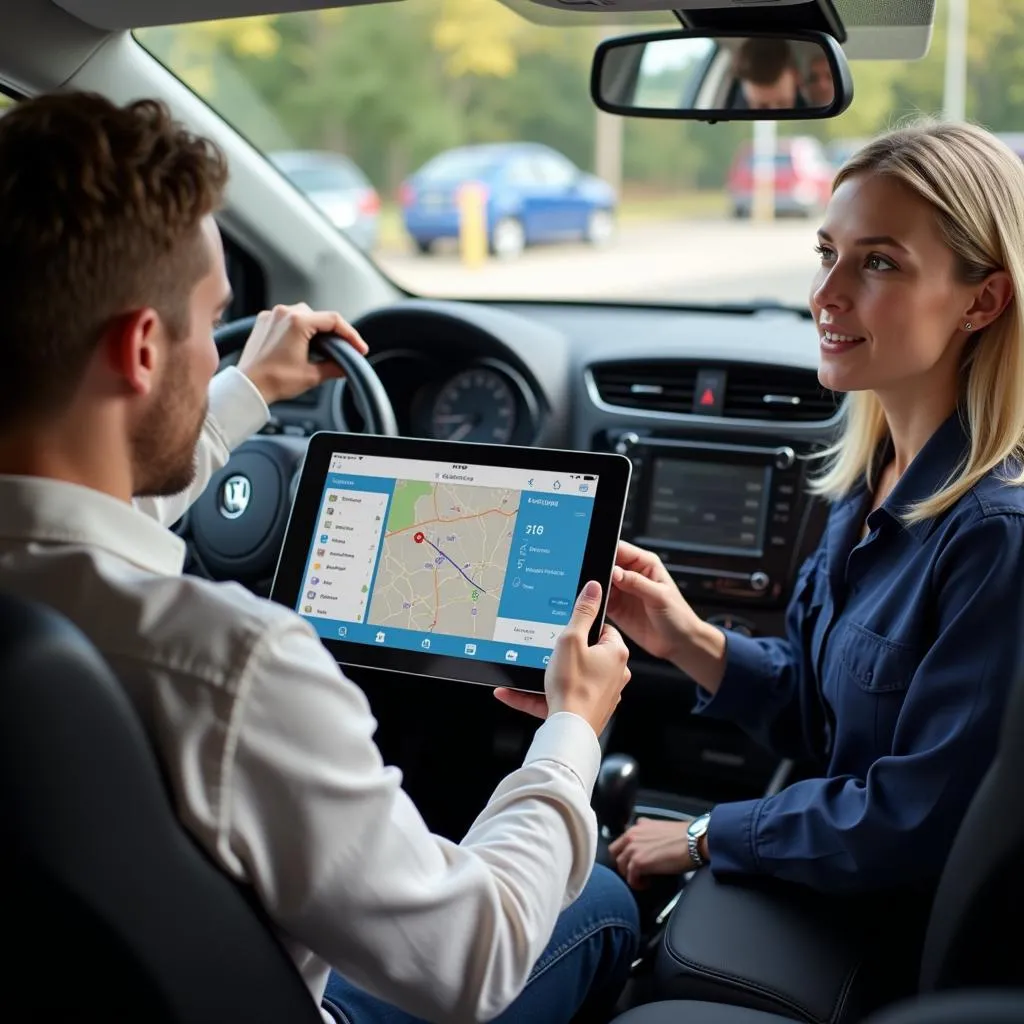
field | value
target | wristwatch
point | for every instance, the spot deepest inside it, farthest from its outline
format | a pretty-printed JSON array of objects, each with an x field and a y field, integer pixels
[{"x": 694, "y": 834}]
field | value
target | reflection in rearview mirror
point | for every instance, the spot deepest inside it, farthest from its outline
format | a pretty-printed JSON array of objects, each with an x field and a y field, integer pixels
[
  {"x": 777, "y": 74},
  {"x": 669, "y": 69},
  {"x": 722, "y": 77}
]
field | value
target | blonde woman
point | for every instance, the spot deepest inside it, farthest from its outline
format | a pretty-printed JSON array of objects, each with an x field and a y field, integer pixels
[{"x": 903, "y": 630}]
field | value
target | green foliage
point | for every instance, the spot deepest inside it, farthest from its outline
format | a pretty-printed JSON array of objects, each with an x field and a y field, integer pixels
[{"x": 394, "y": 84}]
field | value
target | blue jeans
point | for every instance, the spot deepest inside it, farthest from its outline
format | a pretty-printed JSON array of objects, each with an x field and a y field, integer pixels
[{"x": 580, "y": 974}]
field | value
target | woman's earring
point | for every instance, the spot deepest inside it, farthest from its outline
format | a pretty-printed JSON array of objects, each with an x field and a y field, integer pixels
[{"x": 968, "y": 325}]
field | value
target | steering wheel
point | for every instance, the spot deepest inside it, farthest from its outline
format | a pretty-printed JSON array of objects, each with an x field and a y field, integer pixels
[
  {"x": 367, "y": 391},
  {"x": 235, "y": 529}
]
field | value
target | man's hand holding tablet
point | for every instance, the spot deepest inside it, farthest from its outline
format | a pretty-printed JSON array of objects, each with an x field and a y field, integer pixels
[{"x": 581, "y": 679}]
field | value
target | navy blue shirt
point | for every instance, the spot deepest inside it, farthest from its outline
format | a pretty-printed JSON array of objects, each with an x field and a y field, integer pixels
[{"x": 899, "y": 655}]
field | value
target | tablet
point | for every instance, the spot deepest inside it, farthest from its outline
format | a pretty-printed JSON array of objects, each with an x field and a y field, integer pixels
[{"x": 447, "y": 559}]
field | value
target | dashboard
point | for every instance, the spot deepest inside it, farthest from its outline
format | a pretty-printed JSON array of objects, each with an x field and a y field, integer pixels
[
  {"x": 719, "y": 410},
  {"x": 473, "y": 398},
  {"x": 452, "y": 373}
]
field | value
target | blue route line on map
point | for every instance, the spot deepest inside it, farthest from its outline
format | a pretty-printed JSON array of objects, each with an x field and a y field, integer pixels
[{"x": 443, "y": 555}]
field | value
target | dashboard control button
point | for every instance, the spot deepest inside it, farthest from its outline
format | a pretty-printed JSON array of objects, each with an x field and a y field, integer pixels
[
  {"x": 630, "y": 439},
  {"x": 784, "y": 457},
  {"x": 759, "y": 581}
]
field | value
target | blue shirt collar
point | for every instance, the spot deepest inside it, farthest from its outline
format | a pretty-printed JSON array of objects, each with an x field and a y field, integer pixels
[
  {"x": 944, "y": 453},
  {"x": 942, "y": 457}
]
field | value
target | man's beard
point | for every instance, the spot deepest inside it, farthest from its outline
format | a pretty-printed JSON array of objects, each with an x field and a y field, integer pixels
[{"x": 164, "y": 443}]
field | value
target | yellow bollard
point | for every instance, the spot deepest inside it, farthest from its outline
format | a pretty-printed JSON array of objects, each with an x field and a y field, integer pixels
[{"x": 472, "y": 201}]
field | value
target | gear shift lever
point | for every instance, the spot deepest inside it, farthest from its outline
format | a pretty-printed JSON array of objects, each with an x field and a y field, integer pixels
[{"x": 615, "y": 794}]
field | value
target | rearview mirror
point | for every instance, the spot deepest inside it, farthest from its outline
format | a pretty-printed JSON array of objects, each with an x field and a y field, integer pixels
[{"x": 728, "y": 76}]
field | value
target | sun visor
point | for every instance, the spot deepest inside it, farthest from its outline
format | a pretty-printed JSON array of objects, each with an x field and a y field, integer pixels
[
  {"x": 876, "y": 29},
  {"x": 114, "y": 15},
  {"x": 867, "y": 29}
]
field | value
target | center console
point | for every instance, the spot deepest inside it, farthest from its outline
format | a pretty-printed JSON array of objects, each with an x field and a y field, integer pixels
[
  {"x": 728, "y": 519},
  {"x": 731, "y": 519}
]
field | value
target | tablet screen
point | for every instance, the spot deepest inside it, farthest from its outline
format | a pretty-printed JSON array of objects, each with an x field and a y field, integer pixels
[{"x": 469, "y": 561}]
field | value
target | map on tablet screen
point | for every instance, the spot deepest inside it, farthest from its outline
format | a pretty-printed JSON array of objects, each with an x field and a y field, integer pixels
[{"x": 468, "y": 561}]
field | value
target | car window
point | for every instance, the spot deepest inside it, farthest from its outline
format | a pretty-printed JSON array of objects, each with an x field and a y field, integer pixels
[
  {"x": 468, "y": 85},
  {"x": 554, "y": 170},
  {"x": 780, "y": 159},
  {"x": 324, "y": 179},
  {"x": 458, "y": 166},
  {"x": 524, "y": 171},
  {"x": 810, "y": 154}
]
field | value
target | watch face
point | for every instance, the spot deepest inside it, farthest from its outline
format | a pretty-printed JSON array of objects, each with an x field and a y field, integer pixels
[{"x": 698, "y": 826}]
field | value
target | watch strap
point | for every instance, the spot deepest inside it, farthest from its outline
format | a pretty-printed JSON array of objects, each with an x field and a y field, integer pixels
[{"x": 696, "y": 830}]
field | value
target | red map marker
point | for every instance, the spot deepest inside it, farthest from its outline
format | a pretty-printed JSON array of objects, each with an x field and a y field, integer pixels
[{"x": 419, "y": 538}]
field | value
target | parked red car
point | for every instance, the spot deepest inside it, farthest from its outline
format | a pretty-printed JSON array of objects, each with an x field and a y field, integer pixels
[{"x": 803, "y": 177}]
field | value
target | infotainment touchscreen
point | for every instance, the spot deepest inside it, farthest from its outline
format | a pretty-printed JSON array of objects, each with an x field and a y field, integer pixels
[
  {"x": 438, "y": 551},
  {"x": 714, "y": 506}
]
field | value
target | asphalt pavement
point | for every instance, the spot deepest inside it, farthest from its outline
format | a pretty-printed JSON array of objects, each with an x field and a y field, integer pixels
[{"x": 703, "y": 260}]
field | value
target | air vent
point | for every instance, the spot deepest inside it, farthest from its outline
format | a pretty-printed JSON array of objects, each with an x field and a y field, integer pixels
[
  {"x": 751, "y": 393},
  {"x": 655, "y": 387},
  {"x": 774, "y": 393}
]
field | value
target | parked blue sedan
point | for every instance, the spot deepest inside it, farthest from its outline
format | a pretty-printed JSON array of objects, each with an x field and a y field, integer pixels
[{"x": 533, "y": 194}]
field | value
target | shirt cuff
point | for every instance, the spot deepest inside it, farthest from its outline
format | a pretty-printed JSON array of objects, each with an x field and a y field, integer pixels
[
  {"x": 568, "y": 740},
  {"x": 732, "y": 838},
  {"x": 236, "y": 407},
  {"x": 747, "y": 665}
]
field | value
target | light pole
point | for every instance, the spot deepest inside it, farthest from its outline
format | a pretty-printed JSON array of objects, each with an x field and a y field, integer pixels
[
  {"x": 763, "y": 203},
  {"x": 608, "y": 129},
  {"x": 954, "y": 98}
]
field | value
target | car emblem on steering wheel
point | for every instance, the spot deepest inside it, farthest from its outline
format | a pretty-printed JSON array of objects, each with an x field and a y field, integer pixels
[{"x": 234, "y": 496}]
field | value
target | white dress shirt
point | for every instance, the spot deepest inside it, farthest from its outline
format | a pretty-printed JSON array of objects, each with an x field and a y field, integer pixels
[{"x": 270, "y": 752}]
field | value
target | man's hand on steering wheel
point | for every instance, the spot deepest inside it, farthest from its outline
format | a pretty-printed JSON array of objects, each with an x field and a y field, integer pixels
[
  {"x": 276, "y": 356},
  {"x": 274, "y": 350}
]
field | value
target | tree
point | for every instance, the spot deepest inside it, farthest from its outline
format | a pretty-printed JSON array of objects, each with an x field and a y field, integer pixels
[{"x": 192, "y": 50}]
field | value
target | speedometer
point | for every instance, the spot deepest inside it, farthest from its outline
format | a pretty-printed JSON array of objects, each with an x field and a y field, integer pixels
[{"x": 475, "y": 405}]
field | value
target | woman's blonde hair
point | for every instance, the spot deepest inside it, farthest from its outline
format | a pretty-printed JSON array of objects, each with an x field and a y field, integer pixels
[{"x": 976, "y": 185}]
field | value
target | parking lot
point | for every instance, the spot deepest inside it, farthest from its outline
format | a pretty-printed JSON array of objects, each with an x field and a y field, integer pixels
[{"x": 718, "y": 260}]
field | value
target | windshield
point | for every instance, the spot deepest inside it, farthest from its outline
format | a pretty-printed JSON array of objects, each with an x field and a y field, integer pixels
[{"x": 577, "y": 204}]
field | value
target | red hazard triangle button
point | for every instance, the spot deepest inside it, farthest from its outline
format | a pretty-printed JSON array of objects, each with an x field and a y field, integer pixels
[{"x": 709, "y": 391}]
